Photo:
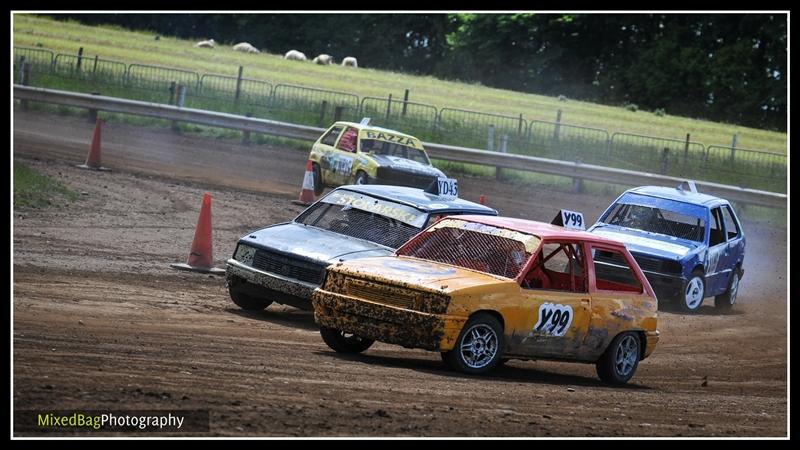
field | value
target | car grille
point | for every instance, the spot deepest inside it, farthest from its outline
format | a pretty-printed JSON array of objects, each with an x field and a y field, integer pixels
[
  {"x": 288, "y": 266},
  {"x": 408, "y": 179},
  {"x": 380, "y": 294},
  {"x": 656, "y": 265}
]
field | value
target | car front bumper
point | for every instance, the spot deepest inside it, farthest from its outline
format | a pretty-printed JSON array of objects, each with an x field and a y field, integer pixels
[
  {"x": 386, "y": 323},
  {"x": 668, "y": 288},
  {"x": 268, "y": 285}
]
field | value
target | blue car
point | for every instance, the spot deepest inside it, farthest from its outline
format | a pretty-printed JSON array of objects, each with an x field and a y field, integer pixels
[
  {"x": 285, "y": 262},
  {"x": 689, "y": 245}
]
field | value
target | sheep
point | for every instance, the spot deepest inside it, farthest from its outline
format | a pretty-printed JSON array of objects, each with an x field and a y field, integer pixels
[
  {"x": 245, "y": 47},
  {"x": 205, "y": 44},
  {"x": 295, "y": 55},
  {"x": 350, "y": 62},
  {"x": 323, "y": 59}
]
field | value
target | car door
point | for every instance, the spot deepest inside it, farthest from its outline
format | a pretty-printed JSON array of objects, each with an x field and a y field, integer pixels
[
  {"x": 343, "y": 156},
  {"x": 733, "y": 254},
  {"x": 615, "y": 290},
  {"x": 326, "y": 149},
  {"x": 557, "y": 304},
  {"x": 717, "y": 255}
]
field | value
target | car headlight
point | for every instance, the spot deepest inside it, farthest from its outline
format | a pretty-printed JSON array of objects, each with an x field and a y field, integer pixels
[{"x": 245, "y": 254}]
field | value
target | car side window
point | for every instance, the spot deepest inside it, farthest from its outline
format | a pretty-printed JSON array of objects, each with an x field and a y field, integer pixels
[
  {"x": 612, "y": 271},
  {"x": 717, "y": 230},
  {"x": 348, "y": 141},
  {"x": 731, "y": 227},
  {"x": 558, "y": 266},
  {"x": 330, "y": 137}
]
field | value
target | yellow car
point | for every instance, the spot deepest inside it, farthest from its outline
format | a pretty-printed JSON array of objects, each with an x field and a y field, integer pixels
[
  {"x": 482, "y": 290},
  {"x": 358, "y": 153}
]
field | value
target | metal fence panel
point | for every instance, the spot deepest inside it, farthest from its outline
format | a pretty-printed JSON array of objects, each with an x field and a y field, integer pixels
[
  {"x": 653, "y": 154},
  {"x": 744, "y": 167},
  {"x": 90, "y": 68},
  {"x": 565, "y": 142},
  {"x": 413, "y": 118},
  {"x": 33, "y": 55},
  {"x": 311, "y": 106},
  {"x": 158, "y": 78},
  {"x": 482, "y": 130},
  {"x": 218, "y": 93}
]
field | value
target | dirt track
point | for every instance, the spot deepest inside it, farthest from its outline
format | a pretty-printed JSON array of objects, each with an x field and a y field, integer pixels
[{"x": 101, "y": 321}]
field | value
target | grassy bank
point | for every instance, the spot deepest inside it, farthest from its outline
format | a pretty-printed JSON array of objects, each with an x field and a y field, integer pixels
[
  {"x": 140, "y": 47},
  {"x": 34, "y": 190}
]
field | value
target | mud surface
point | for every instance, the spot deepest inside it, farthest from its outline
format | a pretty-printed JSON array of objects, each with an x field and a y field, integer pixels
[{"x": 100, "y": 320}]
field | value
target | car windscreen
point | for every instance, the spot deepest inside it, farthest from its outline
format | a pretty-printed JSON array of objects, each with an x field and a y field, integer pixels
[
  {"x": 365, "y": 217},
  {"x": 658, "y": 215},
  {"x": 394, "y": 149},
  {"x": 475, "y": 246}
]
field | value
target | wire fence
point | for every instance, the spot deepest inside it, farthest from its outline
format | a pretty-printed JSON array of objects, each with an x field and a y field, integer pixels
[{"x": 320, "y": 107}]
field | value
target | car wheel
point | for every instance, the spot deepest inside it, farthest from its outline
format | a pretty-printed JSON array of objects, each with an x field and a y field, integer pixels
[
  {"x": 479, "y": 347},
  {"x": 248, "y": 302},
  {"x": 319, "y": 186},
  {"x": 344, "y": 342},
  {"x": 724, "y": 302},
  {"x": 361, "y": 178},
  {"x": 621, "y": 358},
  {"x": 694, "y": 293}
]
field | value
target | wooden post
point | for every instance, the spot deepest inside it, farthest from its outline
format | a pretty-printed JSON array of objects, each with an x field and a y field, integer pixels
[
  {"x": 519, "y": 127},
  {"x": 686, "y": 150},
  {"x": 93, "y": 112},
  {"x": 180, "y": 97},
  {"x": 322, "y": 108},
  {"x": 24, "y": 78},
  {"x": 405, "y": 103},
  {"x": 94, "y": 67},
  {"x": 498, "y": 171},
  {"x": 337, "y": 113},
  {"x": 557, "y": 131},
  {"x": 664, "y": 161},
  {"x": 733, "y": 148},
  {"x": 246, "y": 133},
  {"x": 238, "y": 86},
  {"x": 172, "y": 86},
  {"x": 80, "y": 57},
  {"x": 388, "y": 107}
]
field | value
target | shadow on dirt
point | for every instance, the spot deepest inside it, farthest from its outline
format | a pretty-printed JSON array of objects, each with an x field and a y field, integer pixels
[
  {"x": 289, "y": 317},
  {"x": 502, "y": 374},
  {"x": 704, "y": 310}
]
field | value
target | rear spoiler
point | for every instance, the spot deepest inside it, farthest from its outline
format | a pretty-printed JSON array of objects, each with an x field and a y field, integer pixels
[{"x": 569, "y": 219}]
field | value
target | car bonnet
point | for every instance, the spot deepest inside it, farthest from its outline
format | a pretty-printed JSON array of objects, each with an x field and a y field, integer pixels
[{"x": 648, "y": 243}]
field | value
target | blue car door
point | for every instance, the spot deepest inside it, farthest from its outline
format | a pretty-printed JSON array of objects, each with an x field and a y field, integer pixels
[{"x": 734, "y": 251}]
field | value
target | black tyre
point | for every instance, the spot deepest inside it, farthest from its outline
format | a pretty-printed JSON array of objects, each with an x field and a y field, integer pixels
[
  {"x": 621, "y": 358},
  {"x": 248, "y": 302},
  {"x": 344, "y": 342},
  {"x": 361, "y": 178},
  {"x": 694, "y": 293},
  {"x": 479, "y": 347},
  {"x": 724, "y": 302},
  {"x": 319, "y": 186}
]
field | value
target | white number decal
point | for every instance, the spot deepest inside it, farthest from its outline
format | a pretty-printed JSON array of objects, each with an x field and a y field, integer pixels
[
  {"x": 572, "y": 219},
  {"x": 448, "y": 187},
  {"x": 554, "y": 319}
]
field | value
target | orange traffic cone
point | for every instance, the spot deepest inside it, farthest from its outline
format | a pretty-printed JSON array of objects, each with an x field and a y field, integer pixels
[
  {"x": 93, "y": 158},
  {"x": 307, "y": 192},
  {"x": 200, "y": 257},
  {"x": 482, "y": 199}
]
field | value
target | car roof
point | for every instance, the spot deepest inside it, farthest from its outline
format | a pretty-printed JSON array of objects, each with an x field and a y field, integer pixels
[
  {"x": 696, "y": 198},
  {"x": 420, "y": 199},
  {"x": 373, "y": 127},
  {"x": 541, "y": 229}
]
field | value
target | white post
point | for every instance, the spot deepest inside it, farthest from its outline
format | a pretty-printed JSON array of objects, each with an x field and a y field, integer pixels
[{"x": 490, "y": 139}]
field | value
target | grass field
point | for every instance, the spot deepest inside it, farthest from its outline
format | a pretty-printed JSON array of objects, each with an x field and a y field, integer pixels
[
  {"x": 115, "y": 43},
  {"x": 32, "y": 189}
]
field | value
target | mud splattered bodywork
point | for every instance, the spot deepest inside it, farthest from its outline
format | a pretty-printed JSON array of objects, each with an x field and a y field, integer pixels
[{"x": 422, "y": 303}]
